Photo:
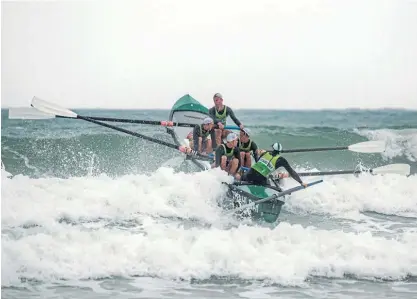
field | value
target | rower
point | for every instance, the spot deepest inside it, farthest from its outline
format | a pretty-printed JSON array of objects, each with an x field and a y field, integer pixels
[
  {"x": 219, "y": 113},
  {"x": 201, "y": 136},
  {"x": 227, "y": 156},
  {"x": 268, "y": 163},
  {"x": 247, "y": 148}
]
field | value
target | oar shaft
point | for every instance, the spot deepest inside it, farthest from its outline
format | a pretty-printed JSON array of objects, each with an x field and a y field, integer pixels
[
  {"x": 143, "y": 121},
  {"x": 317, "y": 149},
  {"x": 136, "y": 134},
  {"x": 164, "y": 123},
  {"x": 89, "y": 119},
  {"x": 329, "y": 172}
]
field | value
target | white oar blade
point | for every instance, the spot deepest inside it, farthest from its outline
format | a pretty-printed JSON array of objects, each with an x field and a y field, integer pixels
[
  {"x": 368, "y": 147},
  {"x": 28, "y": 113},
  {"x": 50, "y": 108},
  {"x": 402, "y": 169}
]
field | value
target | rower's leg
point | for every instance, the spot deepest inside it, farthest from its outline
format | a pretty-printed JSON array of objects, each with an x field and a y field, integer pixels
[
  {"x": 213, "y": 138},
  {"x": 223, "y": 163},
  {"x": 190, "y": 140},
  {"x": 218, "y": 136},
  {"x": 234, "y": 164},
  {"x": 231, "y": 168},
  {"x": 247, "y": 160},
  {"x": 242, "y": 158},
  {"x": 209, "y": 148}
]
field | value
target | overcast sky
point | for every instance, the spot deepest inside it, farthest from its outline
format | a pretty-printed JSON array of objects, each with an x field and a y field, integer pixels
[{"x": 258, "y": 54}]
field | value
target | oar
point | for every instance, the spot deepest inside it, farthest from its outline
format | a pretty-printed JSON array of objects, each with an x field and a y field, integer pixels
[
  {"x": 56, "y": 110},
  {"x": 402, "y": 169},
  {"x": 31, "y": 113},
  {"x": 272, "y": 197},
  {"x": 361, "y": 147}
]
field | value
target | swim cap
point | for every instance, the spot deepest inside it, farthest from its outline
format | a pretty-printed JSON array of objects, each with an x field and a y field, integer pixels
[
  {"x": 218, "y": 95},
  {"x": 246, "y": 131},
  {"x": 231, "y": 137},
  {"x": 207, "y": 120},
  {"x": 277, "y": 147}
]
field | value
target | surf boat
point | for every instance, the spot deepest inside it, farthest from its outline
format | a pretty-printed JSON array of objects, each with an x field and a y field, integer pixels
[{"x": 260, "y": 202}]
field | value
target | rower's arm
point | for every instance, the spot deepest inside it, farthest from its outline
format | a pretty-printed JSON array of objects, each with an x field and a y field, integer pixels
[
  {"x": 233, "y": 116},
  {"x": 261, "y": 152},
  {"x": 255, "y": 151},
  {"x": 237, "y": 152},
  {"x": 219, "y": 153},
  {"x": 196, "y": 130},
  {"x": 282, "y": 162},
  {"x": 213, "y": 139}
]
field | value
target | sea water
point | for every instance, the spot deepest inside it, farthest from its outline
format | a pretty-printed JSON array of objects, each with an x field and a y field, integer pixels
[{"x": 88, "y": 212}]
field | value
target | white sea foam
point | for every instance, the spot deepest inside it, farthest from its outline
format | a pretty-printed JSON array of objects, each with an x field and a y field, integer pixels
[
  {"x": 389, "y": 194},
  {"x": 286, "y": 254},
  {"x": 43, "y": 201},
  {"x": 399, "y": 142}
]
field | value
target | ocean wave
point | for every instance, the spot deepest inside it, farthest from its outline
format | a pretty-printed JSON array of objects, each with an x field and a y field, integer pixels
[
  {"x": 127, "y": 224},
  {"x": 399, "y": 142},
  {"x": 288, "y": 254}
]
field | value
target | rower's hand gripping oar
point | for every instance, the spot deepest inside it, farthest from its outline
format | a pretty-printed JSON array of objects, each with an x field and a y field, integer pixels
[
  {"x": 31, "y": 113},
  {"x": 272, "y": 197},
  {"x": 401, "y": 169},
  {"x": 56, "y": 110},
  {"x": 361, "y": 147}
]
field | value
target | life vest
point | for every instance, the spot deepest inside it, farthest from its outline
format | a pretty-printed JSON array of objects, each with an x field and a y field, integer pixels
[
  {"x": 206, "y": 134},
  {"x": 245, "y": 149},
  {"x": 229, "y": 155},
  {"x": 222, "y": 117},
  {"x": 266, "y": 164}
]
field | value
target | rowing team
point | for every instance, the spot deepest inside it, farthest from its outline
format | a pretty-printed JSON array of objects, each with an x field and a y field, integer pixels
[{"x": 236, "y": 151}]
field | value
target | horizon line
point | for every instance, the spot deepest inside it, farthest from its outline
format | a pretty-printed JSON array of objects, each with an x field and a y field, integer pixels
[{"x": 235, "y": 109}]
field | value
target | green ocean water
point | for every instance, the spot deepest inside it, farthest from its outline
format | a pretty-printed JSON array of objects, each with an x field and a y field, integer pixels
[
  {"x": 90, "y": 213},
  {"x": 63, "y": 148}
]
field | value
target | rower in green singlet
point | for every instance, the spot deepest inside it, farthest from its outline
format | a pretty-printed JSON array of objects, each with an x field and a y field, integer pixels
[
  {"x": 267, "y": 164},
  {"x": 247, "y": 148},
  {"x": 227, "y": 156},
  {"x": 219, "y": 113}
]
